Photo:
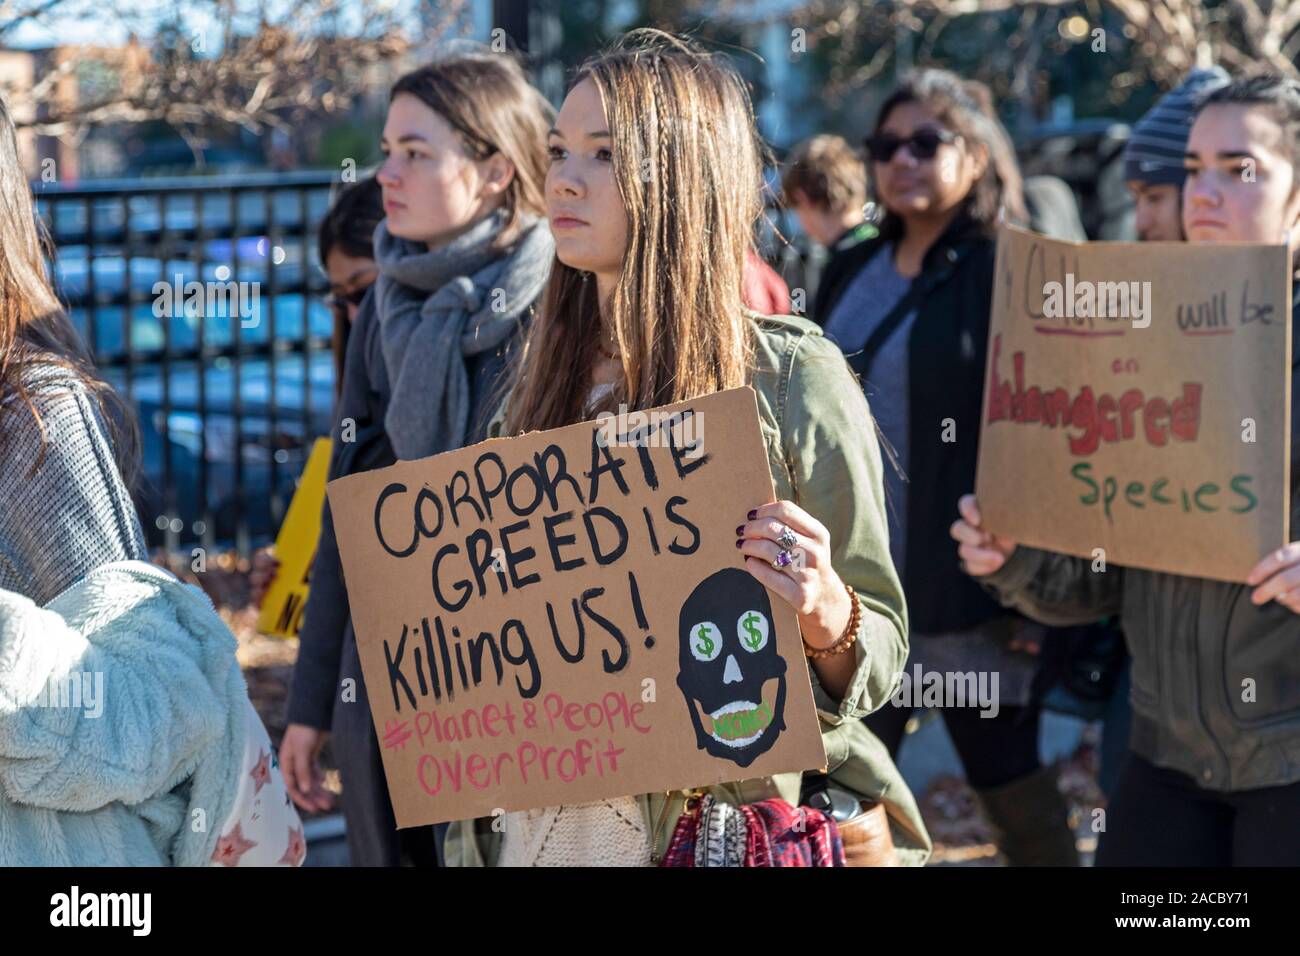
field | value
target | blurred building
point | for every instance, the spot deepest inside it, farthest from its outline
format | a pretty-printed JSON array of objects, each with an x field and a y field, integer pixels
[{"x": 43, "y": 84}]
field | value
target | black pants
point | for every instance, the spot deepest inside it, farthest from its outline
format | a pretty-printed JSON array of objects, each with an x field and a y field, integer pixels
[
  {"x": 993, "y": 750},
  {"x": 1161, "y": 817},
  {"x": 373, "y": 837}
]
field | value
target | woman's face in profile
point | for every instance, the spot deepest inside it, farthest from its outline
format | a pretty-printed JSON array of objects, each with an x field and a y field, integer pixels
[
  {"x": 433, "y": 189},
  {"x": 1240, "y": 183},
  {"x": 912, "y": 185},
  {"x": 583, "y": 204}
]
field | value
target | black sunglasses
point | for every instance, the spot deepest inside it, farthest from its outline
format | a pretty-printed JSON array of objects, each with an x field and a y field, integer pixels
[
  {"x": 923, "y": 144},
  {"x": 341, "y": 300}
]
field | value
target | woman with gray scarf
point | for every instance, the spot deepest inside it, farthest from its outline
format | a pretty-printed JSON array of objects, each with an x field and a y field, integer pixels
[
  {"x": 443, "y": 313},
  {"x": 462, "y": 254}
]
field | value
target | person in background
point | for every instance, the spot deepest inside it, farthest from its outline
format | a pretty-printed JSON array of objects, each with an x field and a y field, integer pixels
[
  {"x": 1211, "y": 778},
  {"x": 1154, "y": 170},
  {"x": 1153, "y": 157},
  {"x": 825, "y": 186},
  {"x": 347, "y": 252},
  {"x": 1053, "y": 208},
  {"x": 462, "y": 254},
  {"x": 912, "y": 317}
]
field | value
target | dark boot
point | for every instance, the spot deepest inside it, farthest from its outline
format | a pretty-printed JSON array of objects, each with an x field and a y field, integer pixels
[{"x": 1031, "y": 817}]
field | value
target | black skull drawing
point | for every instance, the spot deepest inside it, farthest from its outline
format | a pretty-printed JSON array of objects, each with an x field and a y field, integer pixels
[{"x": 730, "y": 673}]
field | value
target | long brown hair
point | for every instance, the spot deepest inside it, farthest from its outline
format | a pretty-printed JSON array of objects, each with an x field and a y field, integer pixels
[
  {"x": 687, "y": 162},
  {"x": 34, "y": 328},
  {"x": 965, "y": 107},
  {"x": 488, "y": 101}
]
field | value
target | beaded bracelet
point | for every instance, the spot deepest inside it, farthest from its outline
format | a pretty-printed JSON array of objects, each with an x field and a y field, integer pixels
[{"x": 845, "y": 640}]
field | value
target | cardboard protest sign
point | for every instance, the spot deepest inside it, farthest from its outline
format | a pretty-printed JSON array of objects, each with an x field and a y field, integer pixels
[
  {"x": 564, "y": 616},
  {"x": 1137, "y": 400},
  {"x": 295, "y": 548}
]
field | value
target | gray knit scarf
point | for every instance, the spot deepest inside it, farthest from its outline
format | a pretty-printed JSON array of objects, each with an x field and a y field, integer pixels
[{"x": 438, "y": 309}]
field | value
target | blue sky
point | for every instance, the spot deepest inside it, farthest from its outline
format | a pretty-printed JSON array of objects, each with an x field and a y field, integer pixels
[{"x": 88, "y": 22}]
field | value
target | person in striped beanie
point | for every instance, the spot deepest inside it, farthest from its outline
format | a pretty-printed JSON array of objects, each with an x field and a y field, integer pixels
[{"x": 1153, "y": 158}]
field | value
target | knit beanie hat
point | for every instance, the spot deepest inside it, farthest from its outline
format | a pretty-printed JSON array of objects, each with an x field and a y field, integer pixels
[{"x": 1154, "y": 153}]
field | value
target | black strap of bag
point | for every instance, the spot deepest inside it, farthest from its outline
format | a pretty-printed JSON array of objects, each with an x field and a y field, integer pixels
[{"x": 921, "y": 286}]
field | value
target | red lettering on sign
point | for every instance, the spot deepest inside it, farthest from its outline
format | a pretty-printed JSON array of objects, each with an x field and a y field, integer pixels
[{"x": 1095, "y": 418}]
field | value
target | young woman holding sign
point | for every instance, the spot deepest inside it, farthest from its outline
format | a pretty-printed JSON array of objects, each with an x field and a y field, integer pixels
[
  {"x": 653, "y": 196},
  {"x": 1213, "y": 778},
  {"x": 462, "y": 255}
]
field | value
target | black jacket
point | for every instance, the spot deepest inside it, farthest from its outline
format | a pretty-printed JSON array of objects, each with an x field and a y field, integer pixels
[
  {"x": 362, "y": 405},
  {"x": 327, "y": 654},
  {"x": 947, "y": 354},
  {"x": 841, "y": 255}
]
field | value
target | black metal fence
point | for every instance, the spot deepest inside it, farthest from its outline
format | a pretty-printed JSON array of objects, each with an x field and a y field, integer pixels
[{"x": 201, "y": 301}]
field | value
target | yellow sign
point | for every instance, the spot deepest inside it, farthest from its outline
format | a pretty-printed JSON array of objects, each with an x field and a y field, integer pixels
[{"x": 295, "y": 548}]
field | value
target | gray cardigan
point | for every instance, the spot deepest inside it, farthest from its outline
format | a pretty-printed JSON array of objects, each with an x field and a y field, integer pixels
[{"x": 69, "y": 515}]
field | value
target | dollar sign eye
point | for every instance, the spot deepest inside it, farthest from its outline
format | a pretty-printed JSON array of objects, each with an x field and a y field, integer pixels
[
  {"x": 705, "y": 641},
  {"x": 751, "y": 628}
]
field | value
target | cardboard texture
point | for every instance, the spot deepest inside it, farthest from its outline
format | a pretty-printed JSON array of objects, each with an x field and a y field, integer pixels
[
  {"x": 1137, "y": 400},
  {"x": 564, "y": 616},
  {"x": 295, "y": 548}
]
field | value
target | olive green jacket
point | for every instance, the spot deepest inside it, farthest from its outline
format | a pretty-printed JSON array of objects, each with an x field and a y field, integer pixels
[
  {"x": 823, "y": 456},
  {"x": 1215, "y": 684}
]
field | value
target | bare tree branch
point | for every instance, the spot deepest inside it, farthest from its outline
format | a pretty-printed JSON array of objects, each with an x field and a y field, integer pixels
[
  {"x": 231, "y": 70},
  {"x": 14, "y": 14},
  {"x": 1169, "y": 37}
]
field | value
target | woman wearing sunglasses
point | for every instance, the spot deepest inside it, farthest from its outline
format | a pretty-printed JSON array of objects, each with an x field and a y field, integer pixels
[{"x": 910, "y": 309}]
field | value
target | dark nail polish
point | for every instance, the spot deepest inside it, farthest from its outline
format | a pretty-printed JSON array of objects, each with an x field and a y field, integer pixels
[
  {"x": 752, "y": 515},
  {"x": 739, "y": 542},
  {"x": 740, "y": 531}
]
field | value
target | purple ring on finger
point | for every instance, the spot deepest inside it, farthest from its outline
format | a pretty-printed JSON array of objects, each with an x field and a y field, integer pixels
[{"x": 782, "y": 559}]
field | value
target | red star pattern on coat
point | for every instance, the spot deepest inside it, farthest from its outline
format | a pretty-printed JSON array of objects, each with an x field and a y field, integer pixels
[
  {"x": 231, "y": 847},
  {"x": 261, "y": 772},
  {"x": 296, "y": 850}
]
